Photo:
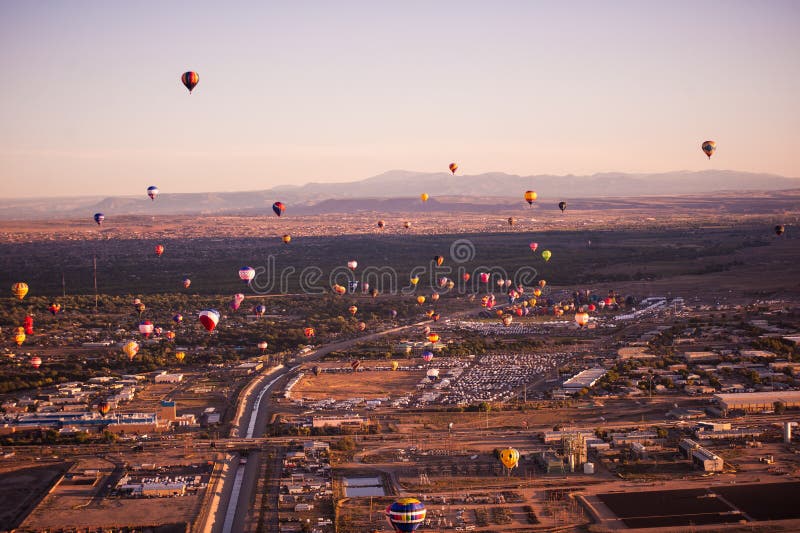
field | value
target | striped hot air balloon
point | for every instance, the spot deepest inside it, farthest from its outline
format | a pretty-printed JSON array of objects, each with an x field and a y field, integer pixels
[
  {"x": 209, "y": 319},
  {"x": 406, "y": 514},
  {"x": 190, "y": 79}
]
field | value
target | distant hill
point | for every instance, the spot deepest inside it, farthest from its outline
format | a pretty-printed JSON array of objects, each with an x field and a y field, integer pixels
[{"x": 398, "y": 190}]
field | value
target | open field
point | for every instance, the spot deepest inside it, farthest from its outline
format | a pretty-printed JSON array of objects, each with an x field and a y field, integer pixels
[
  {"x": 654, "y": 244},
  {"x": 366, "y": 384}
]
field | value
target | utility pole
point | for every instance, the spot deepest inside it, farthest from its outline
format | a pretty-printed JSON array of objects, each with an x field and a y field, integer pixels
[
  {"x": 94, "y": 262},
  {"x": 63, "y": 285}
]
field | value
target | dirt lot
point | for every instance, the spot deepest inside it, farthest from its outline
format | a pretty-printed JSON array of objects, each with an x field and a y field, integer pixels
[{"x": 367, "y": 384}]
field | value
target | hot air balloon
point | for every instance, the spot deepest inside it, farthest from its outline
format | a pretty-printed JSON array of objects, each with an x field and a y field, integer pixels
[
  {"x": 260, "y": 310},
  {"x": 542, "y": 283},
  {"x": 54, "y": 308},
  {"x": 451, "y": 284},
  {"x": 420, "y": 300},
  {"x": 534, "y": 246},
  {"x": 466, "y": 276},
  {"x": 432, "y": 374},
  {"x": 581, "y": 319},
  {"x": 591, "y": 307},
  {"x": 263, "y": 346},
  {"x": 99, "y": 218},
  {"x": 317, "y": 370},
  {"x": 512, "y": 221},
  {"x": 130, "y": 348},
  {"x": 159, "y": 249},
  {"x": 393, "y": 312},
  {"x": 547, "y": 254},
  {"x": 353, "y": 310},
  {"x": 426, "y": 330},
  {"x": 247, "y": 273},
  {"x": 709, "y": 147},
  {"x": 354, "y": 365},
  {"x": 308, "y": 332},
  {"x": 433, "y": 338},
  {"x": 395, "y": 365},
  {"x": 152, "y": 192},
  {"x": 438, "y": 259},
  {"x": 278, "y": 208},
  {"x": 36, "y": 361},
  {"x": 507, "y": 319},
  {"x": 362, "y": 326},
  {"x": 435, "y": 297},
  {"x": 424, "y": 197},
  {"x": 190, "y": 79},
  {"x": 484, "y": 277},
  {"x": 530, "y": 197},
  {"x": 103, "y": 408},
  {"x": 177, "y": 318},
  {"x": 19, "y": 289},
  {"x": 146, "y": 328},
  {"x": 427, "y": 356},
  {"x": 339, "y": 289},
  {"x": 170, "y": 335},
  {"x": 28, "y": 325},
  {"x": 562, "y": 205},
  {"x": 436, "y": 317},
  {"x": 414, "y": 280},
  {"x": 286, "y": 239},
  {"x": 352, "y": 265},
  {"x": 779, "y": 229},
  {"x": 209, "y": 319},
  {"x": 20, "y": 337},
  {"x": 186, "y": 283},
  {"x": 406, "y": 224},
  {"x": 537, "y": 292},
  {"x": 453, "y": 167},
  {"x": 406, "y": 514},
  {"x": 509, "y": 457}
]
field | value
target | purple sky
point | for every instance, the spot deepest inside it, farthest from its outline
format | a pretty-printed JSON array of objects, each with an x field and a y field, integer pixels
[{"x": 91, "y": 102}]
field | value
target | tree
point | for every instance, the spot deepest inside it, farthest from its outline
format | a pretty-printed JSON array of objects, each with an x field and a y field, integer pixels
[{"x": 779, "y": 407}]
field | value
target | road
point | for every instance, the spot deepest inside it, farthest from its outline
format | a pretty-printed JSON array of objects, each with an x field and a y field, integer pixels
[{"x": 236, "y": 511}]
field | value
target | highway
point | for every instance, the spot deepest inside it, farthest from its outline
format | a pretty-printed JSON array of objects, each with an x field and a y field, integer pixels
[{"x": 236, "y": 510}]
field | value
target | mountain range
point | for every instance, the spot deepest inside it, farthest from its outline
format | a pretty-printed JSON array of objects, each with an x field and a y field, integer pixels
[{"x": 398, "y": 190}]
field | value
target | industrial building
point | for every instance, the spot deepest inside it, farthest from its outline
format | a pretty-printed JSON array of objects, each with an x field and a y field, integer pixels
[
  {"x": 701, "y": 457},
  {"x": 753, "y": 402},
  {"x": 583, "y": 380}
]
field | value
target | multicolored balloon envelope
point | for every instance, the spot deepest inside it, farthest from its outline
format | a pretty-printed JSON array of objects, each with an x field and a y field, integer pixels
[
  {"x": 406, "y": 514},
  {"x": 190, "y": 79},
  {"x": 453, "y": 167},
  {"x": 209, "y": 318},
  {"x": 99, "y": 218},
  {"x": 247, "y": 274},
  {"x": 278, "y": 208},
  {"x": 709, "y": 147},
  {"x": 152, "y": 192}
]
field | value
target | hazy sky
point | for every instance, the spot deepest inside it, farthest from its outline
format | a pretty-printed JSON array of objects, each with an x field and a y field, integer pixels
[{"x": 297, "y": 91}]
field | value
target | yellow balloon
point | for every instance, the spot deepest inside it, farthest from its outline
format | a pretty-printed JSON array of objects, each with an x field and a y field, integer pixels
[
  {"x": 180, "y": 356},
  {"x": 424, "y": 197},
  {"x": 547, "y": 254},
  {"x": 19, "y": 338},
  {"x": 420, "y": 300},
  {"x": 131, "y": 348},
  {"x": 509, "y": 457},
  {"x": 395, "y": 365},
  {"x": 414, "y": 280},
  {"x": 19, "y": 290}
]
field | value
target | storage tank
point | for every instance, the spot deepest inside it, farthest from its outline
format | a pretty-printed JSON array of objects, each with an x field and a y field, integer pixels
[{"x": 588, "y": 468}]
